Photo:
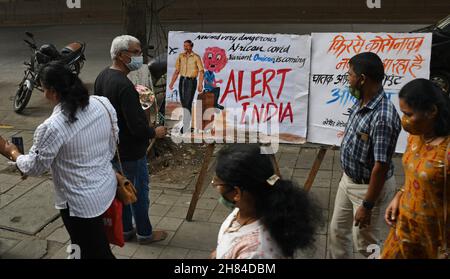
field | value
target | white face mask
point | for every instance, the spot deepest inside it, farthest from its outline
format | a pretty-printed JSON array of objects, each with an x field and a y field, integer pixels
[{"x": 135, "y": 63}]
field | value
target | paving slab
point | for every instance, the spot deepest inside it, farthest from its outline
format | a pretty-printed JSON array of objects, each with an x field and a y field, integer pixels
[
  {"x": 50, "y": 228},
  {"x": 61, "y": 254},
  {"x": 174, "y": 253},
  {"x": 209, "y": 203},
  {"x": 178, "y": 212},
  {"x": 183, "y": 201},
  {"x": 159, "y": 209},
  {"x": 286, "y": 173},
  {"x": 154, "y": 220},
  {"x": 317, "y": 251},
  {"x": 167, "y": 199},
  {"x": 287, "y": 160},
  {"x": 59, "y": 235},
  {"x": 166, "y": 242},
  {"x": 197, "y": 254},
  {"x": 148, "y": 252},
  {"x": 327, "y": 163},
  {"x": 218, "y": 216},
  {"x": 31, "y": 212},
  {"x": 8, "y": 180},
  {"x": 196, "y": 235},
  {"x": 306, "y": 158},
  {"x": 202, "y": 214},
  {"x": 169, "y": 223},
  {"x": 169, "y": 185},
  {"x": 293, "y": 149},
  {"x": 28, "y": 249},
  {"x": 53, "y": 248},
  {"x": 322, "y": 195},
  {"x": 128, "y": 250},
  {"x": 7, "y": 244}
]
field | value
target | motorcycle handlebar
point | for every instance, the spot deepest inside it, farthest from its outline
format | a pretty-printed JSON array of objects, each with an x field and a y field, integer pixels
[{"x": 30, "y": 44}]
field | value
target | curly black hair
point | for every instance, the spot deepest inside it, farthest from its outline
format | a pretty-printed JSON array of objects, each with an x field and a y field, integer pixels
[
  {"x": 71, "y": 90},
  {"x": 421, "y": 95},
  {"x": 290, "y": 214}
]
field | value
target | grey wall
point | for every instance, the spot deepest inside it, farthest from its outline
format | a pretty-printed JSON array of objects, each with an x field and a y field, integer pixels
[{"x": 204, "y": 12}]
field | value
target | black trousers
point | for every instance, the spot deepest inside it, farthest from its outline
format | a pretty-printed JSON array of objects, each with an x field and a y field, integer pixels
[
  {"x": 187, "y": 87},
  {"x": 89, "y": 234}
]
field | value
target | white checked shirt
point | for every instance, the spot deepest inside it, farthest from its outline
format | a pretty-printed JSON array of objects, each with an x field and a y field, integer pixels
[{"x": 79, "y": 156}]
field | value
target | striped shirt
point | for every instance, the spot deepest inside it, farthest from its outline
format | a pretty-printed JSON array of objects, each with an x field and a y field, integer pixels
[
  {"x": 370, "y": 136},
  {"x": 79, "y": 156}
]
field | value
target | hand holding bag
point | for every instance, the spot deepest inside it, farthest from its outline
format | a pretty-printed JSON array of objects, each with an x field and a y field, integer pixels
[{"x": 126, "y": 192}]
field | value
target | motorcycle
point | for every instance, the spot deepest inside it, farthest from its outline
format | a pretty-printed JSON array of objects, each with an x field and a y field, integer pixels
[
  {"x": 71, "y": 55},
  {"x": 440, "y": 53}
]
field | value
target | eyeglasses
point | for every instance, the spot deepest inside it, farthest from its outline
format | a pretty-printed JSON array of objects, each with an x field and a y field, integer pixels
[
  {"x": 215, "y": 185},
  {"x": 136, "y": 52}
]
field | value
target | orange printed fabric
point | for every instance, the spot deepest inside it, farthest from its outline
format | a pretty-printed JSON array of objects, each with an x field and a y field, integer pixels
[{"x": 418, "y": 232}]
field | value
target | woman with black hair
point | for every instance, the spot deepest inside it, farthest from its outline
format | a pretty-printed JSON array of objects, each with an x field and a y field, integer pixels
[
  {"x": 272, "y": 217},
  {"x": 76, "y": 142},
  {"x": 416, "y": 214}
]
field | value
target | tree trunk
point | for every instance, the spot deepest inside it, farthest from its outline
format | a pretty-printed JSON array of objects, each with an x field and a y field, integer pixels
[{"x": 135, "y": 22}]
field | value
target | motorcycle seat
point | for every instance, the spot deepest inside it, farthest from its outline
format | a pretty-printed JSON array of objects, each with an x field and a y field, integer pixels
[
  {"x": 72, "y": 48},
  {"x": 71, "y": 51}
]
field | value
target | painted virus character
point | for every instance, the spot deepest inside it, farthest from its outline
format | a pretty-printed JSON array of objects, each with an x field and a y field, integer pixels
[{"x": 214, "y": 60}]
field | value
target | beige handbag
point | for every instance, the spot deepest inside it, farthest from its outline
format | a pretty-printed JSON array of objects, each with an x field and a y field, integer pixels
[{"x": 126, "y": 192}]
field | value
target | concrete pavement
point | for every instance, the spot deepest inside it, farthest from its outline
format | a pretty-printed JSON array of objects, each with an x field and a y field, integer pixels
[{"x": 168, "y": 209}]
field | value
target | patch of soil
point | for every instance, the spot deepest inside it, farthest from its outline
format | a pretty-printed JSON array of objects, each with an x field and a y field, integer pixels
[{"x": 175, "y": 163}]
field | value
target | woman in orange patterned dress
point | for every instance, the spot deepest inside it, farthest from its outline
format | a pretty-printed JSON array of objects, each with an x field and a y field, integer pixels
[{"x": 416, "y": 214}]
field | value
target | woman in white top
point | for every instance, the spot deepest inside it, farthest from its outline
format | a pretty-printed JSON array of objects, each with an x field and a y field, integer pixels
[
  {"x": 272, "y": 218},
  {"x": 77, "y": 144}
]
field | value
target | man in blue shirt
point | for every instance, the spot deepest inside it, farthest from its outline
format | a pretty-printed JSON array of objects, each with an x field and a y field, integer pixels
[{"x": 369, "y": 142}]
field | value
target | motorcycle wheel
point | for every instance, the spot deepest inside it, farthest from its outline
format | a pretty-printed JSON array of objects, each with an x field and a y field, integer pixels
[{"x": 22, "y": 96}]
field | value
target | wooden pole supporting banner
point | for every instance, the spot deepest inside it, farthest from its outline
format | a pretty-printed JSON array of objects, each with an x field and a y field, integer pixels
[
  {"x": 275, "y": 165},
  {"x": 200, "y": 181},
  {"x": 314, "y": 169}
]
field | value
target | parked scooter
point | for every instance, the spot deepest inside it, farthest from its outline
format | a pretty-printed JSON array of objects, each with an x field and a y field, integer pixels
[
  {"x": 440, "y": 53},
  {"x": 72, "y": 55}
]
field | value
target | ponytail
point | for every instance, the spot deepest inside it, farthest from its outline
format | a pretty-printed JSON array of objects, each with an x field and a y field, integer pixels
[
  {"x": 288, "y": 212},
  {"x": 71, "y": 90}
]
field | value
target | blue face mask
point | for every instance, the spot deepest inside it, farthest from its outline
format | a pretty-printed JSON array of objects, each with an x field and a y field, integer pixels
[
  {"x": 227, "y": 203},
  {"x": 136, "y": 63}
]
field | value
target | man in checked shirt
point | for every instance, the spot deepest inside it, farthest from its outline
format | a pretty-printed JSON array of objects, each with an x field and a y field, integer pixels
[{"x": 367, "y": 184}]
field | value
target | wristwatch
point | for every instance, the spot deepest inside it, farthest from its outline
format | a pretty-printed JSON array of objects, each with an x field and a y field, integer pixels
[{"x": 368, "y": 205}]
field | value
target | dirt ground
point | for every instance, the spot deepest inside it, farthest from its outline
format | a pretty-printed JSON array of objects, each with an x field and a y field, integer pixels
[{"x": 175, "y": 163}]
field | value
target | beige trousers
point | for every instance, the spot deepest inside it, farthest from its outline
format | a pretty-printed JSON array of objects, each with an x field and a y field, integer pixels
[{"x": 348, "y": 198}]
